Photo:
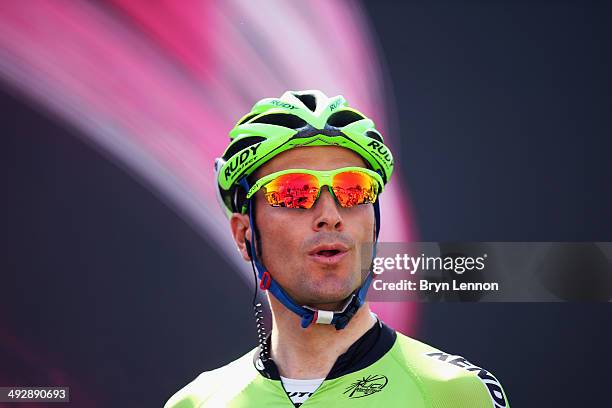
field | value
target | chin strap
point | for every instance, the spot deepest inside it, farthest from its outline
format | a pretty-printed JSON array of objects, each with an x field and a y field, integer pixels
[{"x": 308, "y": 315}]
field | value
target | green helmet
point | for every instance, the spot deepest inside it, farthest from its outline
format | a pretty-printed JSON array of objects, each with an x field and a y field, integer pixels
[{"x": 303, "y": 118}]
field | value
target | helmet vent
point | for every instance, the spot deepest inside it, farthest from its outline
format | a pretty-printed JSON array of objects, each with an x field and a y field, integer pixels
[
  {"x": 374, "y": 135},
  {"x": 240, "y": 144},
  {"x": 247, "y": 118},
  {"x": 281, "y": 119},
  {"x": 343, "y": 118},
  {"x": 308, "y": 100}
]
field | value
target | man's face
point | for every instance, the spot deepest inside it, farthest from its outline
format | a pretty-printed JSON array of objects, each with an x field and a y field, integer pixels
[{"x": 314, "y": 254}]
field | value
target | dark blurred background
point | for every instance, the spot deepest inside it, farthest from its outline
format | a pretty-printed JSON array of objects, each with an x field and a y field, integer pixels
[
  {"x": 505, "y": 117},
  {"x": 504, "y": 113}
]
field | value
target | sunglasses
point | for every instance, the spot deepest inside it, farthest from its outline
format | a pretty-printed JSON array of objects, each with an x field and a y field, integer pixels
[{"x": 300, "y": 188}]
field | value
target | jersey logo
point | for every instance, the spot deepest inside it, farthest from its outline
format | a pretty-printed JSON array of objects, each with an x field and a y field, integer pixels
[
  {"x": 366, "y": 386},
  {"x": 493, "y": 386}
]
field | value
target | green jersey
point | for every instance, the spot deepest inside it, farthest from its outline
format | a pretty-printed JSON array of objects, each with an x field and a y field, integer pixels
[{"x": 383, "y": 368}]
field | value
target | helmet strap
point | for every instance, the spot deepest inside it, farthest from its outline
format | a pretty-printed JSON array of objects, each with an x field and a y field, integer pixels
[{"x": 308, "y": 315}]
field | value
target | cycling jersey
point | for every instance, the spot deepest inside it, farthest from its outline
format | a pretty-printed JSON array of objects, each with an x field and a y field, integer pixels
[
  {"x": 383, "y": 368},
  {"x": 300, "y": 390}
]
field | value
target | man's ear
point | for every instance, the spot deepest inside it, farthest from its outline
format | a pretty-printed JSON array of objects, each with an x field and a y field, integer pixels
[{"x": 241, "y": 231}]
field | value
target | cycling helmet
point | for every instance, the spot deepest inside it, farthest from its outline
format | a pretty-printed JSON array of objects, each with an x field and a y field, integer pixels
[{"x": 306, "y": 118}]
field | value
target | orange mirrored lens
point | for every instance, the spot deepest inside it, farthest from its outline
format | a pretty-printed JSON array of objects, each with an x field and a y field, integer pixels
[
  {"x": 352, "y": 188},
  {"x": 295, "y": 190}
]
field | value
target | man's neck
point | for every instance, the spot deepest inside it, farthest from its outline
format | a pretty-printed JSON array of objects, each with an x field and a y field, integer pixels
[{"x": 311, "y": 353}]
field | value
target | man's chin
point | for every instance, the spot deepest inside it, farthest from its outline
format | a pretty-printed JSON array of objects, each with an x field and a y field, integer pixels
[
  {"x": 332, "y": 301},
  {"x": 332, "y": 307}
]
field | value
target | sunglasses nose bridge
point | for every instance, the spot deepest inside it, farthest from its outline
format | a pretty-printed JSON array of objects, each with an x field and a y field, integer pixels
[
  {"x": 327, "y": 210},
  {"x": 326, "y": 190}
]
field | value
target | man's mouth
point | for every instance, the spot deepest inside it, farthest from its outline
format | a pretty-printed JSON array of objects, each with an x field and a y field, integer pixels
[{"x": 328, "y": 254}]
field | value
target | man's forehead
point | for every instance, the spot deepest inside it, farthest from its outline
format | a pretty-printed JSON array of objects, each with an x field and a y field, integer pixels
[{"x": 312, "y": 157}]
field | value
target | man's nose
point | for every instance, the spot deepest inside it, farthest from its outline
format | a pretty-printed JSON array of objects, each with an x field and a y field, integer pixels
[{"x": 327, "y": 213}]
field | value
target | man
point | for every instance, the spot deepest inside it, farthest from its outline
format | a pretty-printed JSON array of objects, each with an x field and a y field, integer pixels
[{"x": 300, "y": 182}]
